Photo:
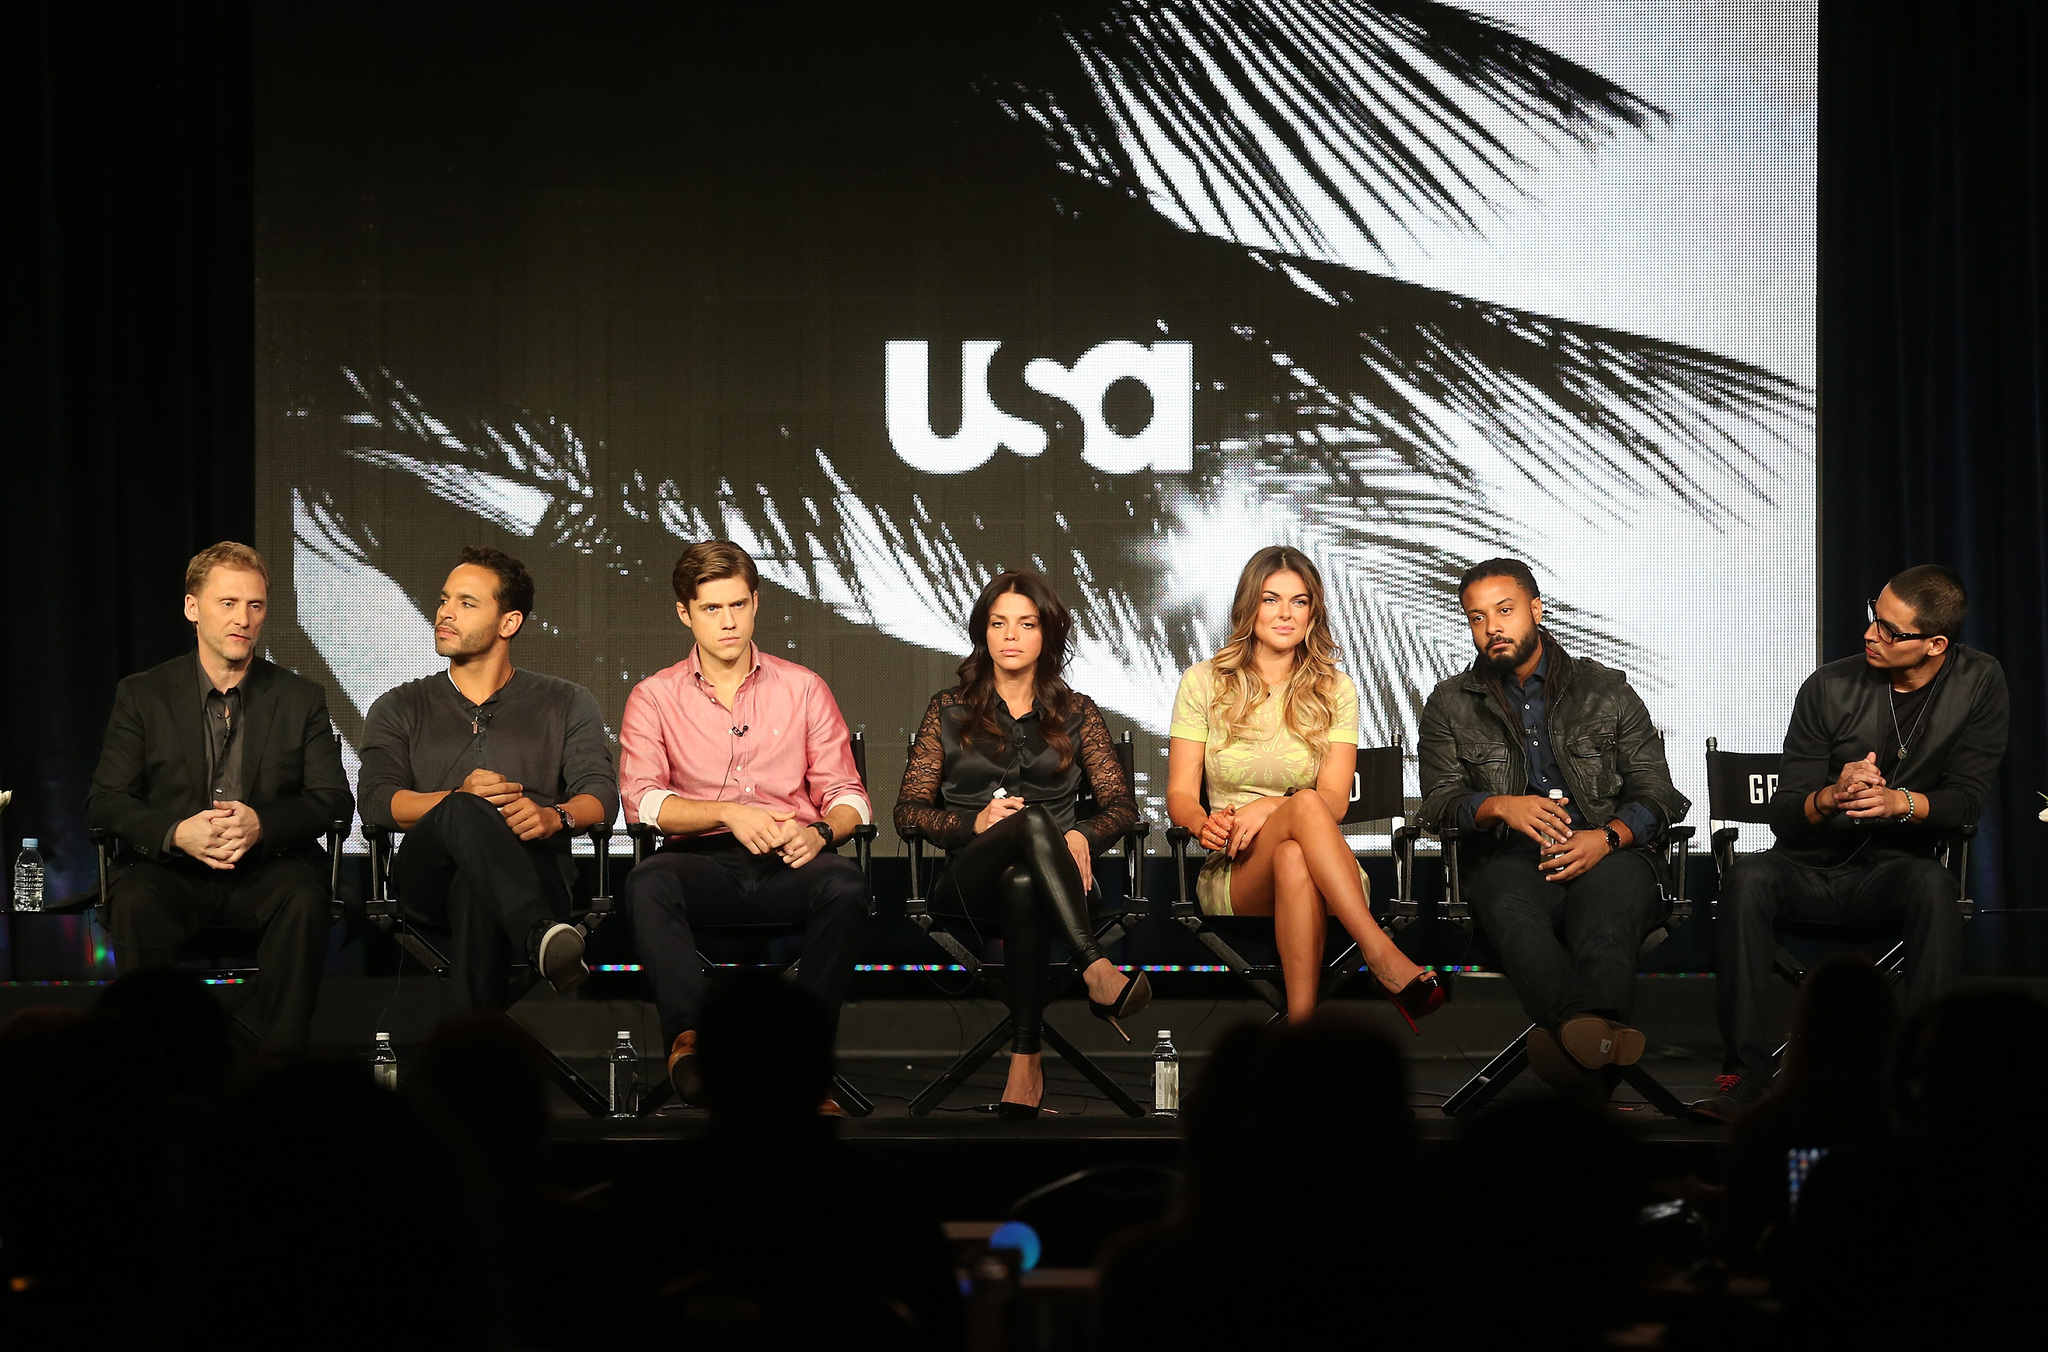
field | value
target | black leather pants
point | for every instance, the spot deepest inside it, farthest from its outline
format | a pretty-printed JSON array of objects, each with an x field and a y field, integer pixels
[{"x": 1020, "y": 874}]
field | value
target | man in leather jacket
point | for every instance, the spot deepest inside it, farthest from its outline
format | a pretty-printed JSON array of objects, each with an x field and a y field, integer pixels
[
  {"x": 1888, "y": 754},
  {"x": 1553, "y": 773}
]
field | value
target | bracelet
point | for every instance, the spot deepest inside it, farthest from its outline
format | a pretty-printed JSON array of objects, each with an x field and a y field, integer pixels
[{"x": 1909, "y": 805}]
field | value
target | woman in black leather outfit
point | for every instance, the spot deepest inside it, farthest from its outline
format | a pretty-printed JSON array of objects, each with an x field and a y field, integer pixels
[{"x": 994, "y": 779}]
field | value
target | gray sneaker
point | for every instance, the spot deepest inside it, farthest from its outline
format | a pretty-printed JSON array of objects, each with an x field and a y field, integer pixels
[
  {"x": 1734, "y": 1095},
  {"x": 559, "y": 958}
]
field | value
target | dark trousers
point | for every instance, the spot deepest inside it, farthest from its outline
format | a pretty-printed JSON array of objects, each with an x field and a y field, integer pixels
[
  {"x": 462, "y": 869},
  {"x": 157, "y": 908},
  {"x": 1570, "y": 949},
  {"x": 712, "y": 881},
  {"x": 1911, "y": 897},
  {"x": 1020, "y": 874}
]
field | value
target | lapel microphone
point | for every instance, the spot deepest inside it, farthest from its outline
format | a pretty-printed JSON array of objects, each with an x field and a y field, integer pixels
[{"x": 741, "y": 730}]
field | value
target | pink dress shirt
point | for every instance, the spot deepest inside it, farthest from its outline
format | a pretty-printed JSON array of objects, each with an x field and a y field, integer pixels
[{"x": 782, "y": 747}]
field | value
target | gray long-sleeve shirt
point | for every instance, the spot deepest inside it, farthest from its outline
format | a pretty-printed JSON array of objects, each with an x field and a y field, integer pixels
[{"x": 541, "y": 732}]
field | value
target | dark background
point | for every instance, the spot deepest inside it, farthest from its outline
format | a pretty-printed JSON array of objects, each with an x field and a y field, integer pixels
[{"x": 127, "y": 418}]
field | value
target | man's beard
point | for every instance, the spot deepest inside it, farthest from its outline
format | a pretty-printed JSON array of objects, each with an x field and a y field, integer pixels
[
  {"x": 460, "y": 646},
  {"x": 1505, "y": 663}
]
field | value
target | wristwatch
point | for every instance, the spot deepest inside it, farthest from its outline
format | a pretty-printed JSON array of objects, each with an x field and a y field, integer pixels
[
  {"x": 568, "y": 822},
  {"x": 1613, "y": 839},
  {"x": 824, "y": 829}
]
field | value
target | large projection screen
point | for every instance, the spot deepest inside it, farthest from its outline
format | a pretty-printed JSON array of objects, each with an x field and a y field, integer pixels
[{"x": 898, "y": 296}]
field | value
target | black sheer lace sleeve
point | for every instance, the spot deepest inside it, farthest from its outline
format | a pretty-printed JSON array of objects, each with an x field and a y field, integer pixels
[
  {"x": 917, "y": 801},
  {"x": 1115, "y": 810}
]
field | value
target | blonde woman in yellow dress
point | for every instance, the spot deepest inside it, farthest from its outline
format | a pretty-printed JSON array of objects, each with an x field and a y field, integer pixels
[{"x": 1273, "y": 727}]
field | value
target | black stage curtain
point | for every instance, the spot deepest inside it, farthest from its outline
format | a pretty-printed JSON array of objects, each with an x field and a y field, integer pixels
[
  {"x": 128, "y": 389},
  {"x": 1934, "y": 350}
]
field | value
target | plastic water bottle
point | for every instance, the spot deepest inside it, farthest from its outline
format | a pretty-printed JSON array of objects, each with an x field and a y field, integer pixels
[
  {"x": 1165, "y": 1076},
  {"x": 28, "y": 877},
  {"x": 384, "y": 1062},
  {"x": 625, "y": 1085}
]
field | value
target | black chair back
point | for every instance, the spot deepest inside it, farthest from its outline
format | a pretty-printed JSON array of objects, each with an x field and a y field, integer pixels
[
  {"x": 1376, "y": 786},
  {"x": 1740, "y": 785}
]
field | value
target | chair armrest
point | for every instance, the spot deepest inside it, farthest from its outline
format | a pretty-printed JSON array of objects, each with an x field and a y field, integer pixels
[
  {"x": 337, "y": 832},
  {"x": 1178, "y": 838},
  {"x": 646, "y": 838},
  {"x": 600, "y": 834},
  {"x": 1674, "y": 834}
]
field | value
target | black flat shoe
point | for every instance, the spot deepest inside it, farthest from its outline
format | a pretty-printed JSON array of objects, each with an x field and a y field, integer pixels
[{"x": 1136, "y": 994}]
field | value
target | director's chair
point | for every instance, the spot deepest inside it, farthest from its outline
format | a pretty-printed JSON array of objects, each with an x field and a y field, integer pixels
[
  {"x": 646, "y": 839},
  {"x": 1513, "y": 1059},
  {"x": 382, "y": 910},
  {"x": 1740, "y": 786},
  {"x": 1376, "y": 796},
  {"x": 1119, "y": 917},
  {"x": 223, "y": 958}
]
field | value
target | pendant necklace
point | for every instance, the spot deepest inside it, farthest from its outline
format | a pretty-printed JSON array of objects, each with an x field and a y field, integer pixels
[{"x": 1905, "y": 739}]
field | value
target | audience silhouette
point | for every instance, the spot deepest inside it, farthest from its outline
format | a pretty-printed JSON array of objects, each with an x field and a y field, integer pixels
[
  {"x": 1832, "y": 1092},
  {"x": 768, "y": 1231},
  {"x": 1299, "y": 1214}
]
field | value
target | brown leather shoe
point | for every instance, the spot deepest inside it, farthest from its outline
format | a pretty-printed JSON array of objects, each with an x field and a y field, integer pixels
[
  {"x": 683, "y": 1076},
  {"x": 1558, "y": 1070},
  {"x": 1594, "y": 1042},
  {"x": 830, "y": 1108}
]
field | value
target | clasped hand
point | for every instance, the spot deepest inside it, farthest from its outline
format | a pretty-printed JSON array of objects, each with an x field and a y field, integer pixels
[
  {"x": 1565, "y": 853},
  {"x": 528, "y": 819},
  {"x": 766, "y": 831},
  {"x": 1233, "y": 829},
  {"x": 219, "y": 836},
  {"x": 1860, "y": 792}
]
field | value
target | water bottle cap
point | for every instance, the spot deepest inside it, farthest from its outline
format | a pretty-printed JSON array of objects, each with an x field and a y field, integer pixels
[
  {"x": 29, "y": 842},
  {"x": 625, "y": 1032},
  {"x": 1557, "y": 793},
  {"x": 383, "y": 1037},
  {"x": 1166, "y": 1032}
]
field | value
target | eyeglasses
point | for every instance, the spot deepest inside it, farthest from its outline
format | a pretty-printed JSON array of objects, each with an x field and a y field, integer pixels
[{"x": 1885, "y": 633}]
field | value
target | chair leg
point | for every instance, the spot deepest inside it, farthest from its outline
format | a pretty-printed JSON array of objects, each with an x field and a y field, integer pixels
[
  {"x": 1479, "y": 1091},
  {"x": 1653, "y": 1091},
  {"x": 850, "y": 1100},
  {"x": 1076, "y": 1058},
  {"x": 969, "y": 1061},
  {"x": 1234, "y": 960},
  {"x": 575, "y": 1086}
]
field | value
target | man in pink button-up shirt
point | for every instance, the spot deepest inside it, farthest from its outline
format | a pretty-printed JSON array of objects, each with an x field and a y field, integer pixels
[{"x": 744, "y": 763}]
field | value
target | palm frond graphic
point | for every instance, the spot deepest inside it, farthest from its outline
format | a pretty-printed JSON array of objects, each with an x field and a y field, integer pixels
[{"x": 1340, "y": 409}]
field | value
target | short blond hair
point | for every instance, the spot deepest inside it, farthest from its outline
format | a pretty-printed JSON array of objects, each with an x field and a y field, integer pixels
[{"x": 226, "y": 554}]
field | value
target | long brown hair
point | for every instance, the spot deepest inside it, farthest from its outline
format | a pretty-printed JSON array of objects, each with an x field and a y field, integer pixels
[
  {"x": 977, "y": 670},
  {"x": 1308, "y": 701}
]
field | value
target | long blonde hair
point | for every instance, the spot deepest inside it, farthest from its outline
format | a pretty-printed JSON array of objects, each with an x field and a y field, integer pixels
[{"x": 1308, "y": 700}]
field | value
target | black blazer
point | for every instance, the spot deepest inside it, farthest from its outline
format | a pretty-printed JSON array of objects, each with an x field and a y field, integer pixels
[{"x": 152, "y": 770}]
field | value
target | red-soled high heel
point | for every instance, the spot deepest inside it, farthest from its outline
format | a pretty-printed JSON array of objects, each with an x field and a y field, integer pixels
[{"x": 1418, "y": 999}]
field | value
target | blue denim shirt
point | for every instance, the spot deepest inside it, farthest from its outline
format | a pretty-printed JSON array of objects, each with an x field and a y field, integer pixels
[{"x": 1544, "y": 773}]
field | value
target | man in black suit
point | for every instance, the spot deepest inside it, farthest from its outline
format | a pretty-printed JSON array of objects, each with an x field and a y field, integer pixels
[{"x": 219, "y": 774}]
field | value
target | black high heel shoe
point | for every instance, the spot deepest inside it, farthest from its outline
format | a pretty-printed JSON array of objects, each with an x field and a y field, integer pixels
[
  {"x": 1418, "y": 999},
  {"x": 1016, "y": 1111},
  {"x": 1136, "y": 994}
]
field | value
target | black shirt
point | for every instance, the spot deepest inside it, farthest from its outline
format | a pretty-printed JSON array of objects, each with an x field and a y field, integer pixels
[
  {"x": 541, "y": 732},
  {"x": 222, "y": 712}
]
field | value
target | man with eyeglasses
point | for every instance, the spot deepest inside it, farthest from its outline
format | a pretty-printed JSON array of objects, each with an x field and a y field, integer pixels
[{"x": 1887, "y": 756}]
